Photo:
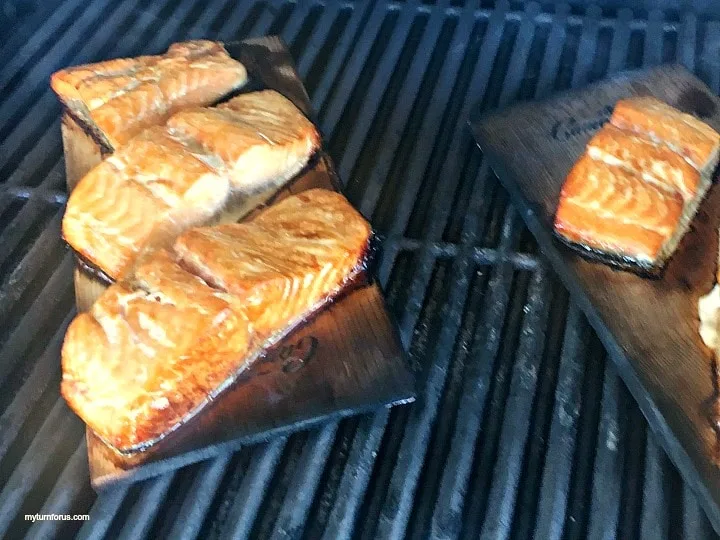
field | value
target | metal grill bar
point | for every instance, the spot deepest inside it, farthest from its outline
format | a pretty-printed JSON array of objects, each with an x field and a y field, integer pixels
[
  {"x": 708, "y": 61},
  {"x": 356, "y": 477},
  {"x": 140, "y": 518},
  {"x": 398, "y": 122},
  {"x": 502, "y": 367},
  {"x": 24, "y": 193},
  {"x": 102, "y": 513},
  {"x": 248, "y": 498},
  {"x": 605, "y": 498},
  {"x": 26, "y": 116},
  {"x": 35, "y": 319},
  {"x": 30, "y": 51},
  {"x": 25, "y": 268},
  {"x": 69, "y": 485},
  {"x": 656, "y": 499},
  {"x": 58, "y": 425},
  {"x": 695, "y": 524},
  {"x": 194, "y": 507},
  {"x": 384, "y": 71},
  {"x": 501, "y": 503},
  {"x": 300, "y": 493},
  {"x": 553, "y": 495},
  {"x": 26, "y": 399}
]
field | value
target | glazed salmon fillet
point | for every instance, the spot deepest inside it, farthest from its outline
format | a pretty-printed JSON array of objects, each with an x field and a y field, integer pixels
[
  {"x": 137, "y": 363},
  {"x": 655, "y": 162},
  {"x": 140, "y": 198},
  {"x": 119, "y": 98},
  {"x": 631, "y": 197},
  {"x": 259, "y": 135},
  {"x": 689, "y": 136},
  {"x": 184, "y": 177},
  {"x": 609, "y": 209},
  {"x": 154, "y": 348},
  {"x": 251, "y": 261}
]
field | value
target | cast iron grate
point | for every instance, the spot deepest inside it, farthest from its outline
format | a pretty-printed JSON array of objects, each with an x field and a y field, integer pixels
[{"x": 522, "y": 427}]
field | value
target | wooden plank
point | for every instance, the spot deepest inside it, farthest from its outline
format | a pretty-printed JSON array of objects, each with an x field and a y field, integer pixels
[
  {"x": 346, "y": 360},
  {"x": 649, "y": 326}
]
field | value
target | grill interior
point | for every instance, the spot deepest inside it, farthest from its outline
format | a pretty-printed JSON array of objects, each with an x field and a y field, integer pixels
[{"x": 521, "y": 428}]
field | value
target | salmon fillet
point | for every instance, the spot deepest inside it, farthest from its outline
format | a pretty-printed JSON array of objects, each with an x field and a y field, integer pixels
[
  {"x": 262, "y": 137},
  {"x": 612, "y": 210},
  {"x": 655, "y": 162},
  {"x": 119, "y": 98},
  {"x": 138, "y": 199},
  {"x": 252, "y": 262},
  {"x": 185, "y": 176},
  {"x": 691, "y": 137},
  {"x": 632, "y": 195},
  {"x": 154, "y": 348},
  {"x": 136, "y": 363}
]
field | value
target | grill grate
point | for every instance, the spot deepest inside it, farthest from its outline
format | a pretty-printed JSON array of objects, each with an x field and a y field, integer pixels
[{"x": 522, "y": 426}]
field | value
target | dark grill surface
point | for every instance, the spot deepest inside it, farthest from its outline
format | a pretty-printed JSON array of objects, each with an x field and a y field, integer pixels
[{"x": 522, "y": 426}]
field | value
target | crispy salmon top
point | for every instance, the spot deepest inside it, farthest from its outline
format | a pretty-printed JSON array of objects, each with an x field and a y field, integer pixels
[
  {"x": 143, "y": 195},
  {"x": 252, "y": 262},
  {"x": 123, "y": 96},
  {"x": 155, "y": 347},
  {"x": 632, "y": 195}
]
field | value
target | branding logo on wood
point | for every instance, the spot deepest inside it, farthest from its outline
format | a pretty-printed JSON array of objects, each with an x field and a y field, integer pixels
[
  {"x": 572, "y": 127},
  {"x": 296, "y": 355}
]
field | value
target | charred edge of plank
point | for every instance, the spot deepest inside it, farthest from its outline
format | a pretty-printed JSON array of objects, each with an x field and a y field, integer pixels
[
  {"x": 617, "y": 262},
  {"x": 88, "y": 127},
  {"x": 91, "y": 270}
]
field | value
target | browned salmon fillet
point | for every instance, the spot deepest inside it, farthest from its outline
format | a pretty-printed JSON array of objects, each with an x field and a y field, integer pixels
[
  {"x": 119, "y": 98},
  {"x": 630, "y": 198},
  {"x": 260, "y": 135},
  {"x": 140, "y": 198},
  {"x": 137, "y": 363},
  {"x": 655, "y": 162},
  {"x": 184, "y": 178},
  {"x": 690, "y": 136},
  {"x": 609, "y": 209},
  {"x": 252, "y": 262},
  {"x": 155, "y": 348}
]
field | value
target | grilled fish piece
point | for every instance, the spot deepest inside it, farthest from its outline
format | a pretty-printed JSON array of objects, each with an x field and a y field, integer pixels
[
  {"x": 141, "y": 198},
  {"x": 632, "y": 195},
  {"x": 118, "y": 98},
  {"x": 655, "y": 162},
  {"x": 608, "y": 209},
  {"x": 259, "y": 135},
  {"x": 154, "y": 348},
  {"x": 252, "y": 262},
  {"x": 137, "y": 363},
  {"x": 185, "y": 174},
  {"x": 689, "y": 136}
]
